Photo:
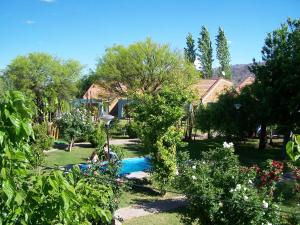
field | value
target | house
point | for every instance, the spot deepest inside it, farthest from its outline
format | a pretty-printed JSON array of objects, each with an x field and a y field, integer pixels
[
  {"x": 105, "y": 100},
  {"x": 247, "y": 81},
  {"x": 209, "y": 90}
]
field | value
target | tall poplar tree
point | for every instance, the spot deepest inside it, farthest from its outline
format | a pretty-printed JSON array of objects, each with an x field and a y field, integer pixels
[
  {"x": 223, "y": 55},
  {"x": 190, "y": 50},
  {"x": 206, "y": 51}
]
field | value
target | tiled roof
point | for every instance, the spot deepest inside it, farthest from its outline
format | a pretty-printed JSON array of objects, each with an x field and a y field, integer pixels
[
  {"x": 202, "y": 87},
  {"x": 249, "y": 80},
  {"x": 97, "y": 91}
]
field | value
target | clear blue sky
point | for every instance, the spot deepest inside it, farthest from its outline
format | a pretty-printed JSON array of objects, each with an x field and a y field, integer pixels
[{"x": 82, "y": 29}]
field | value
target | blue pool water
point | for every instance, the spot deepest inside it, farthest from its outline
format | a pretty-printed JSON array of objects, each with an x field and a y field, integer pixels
[{"x": 128, "y": 165}]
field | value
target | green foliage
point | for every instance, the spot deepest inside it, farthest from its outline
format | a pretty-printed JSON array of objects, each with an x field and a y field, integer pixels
[
  {"x": 157, "y": 117},
  {"x": 190, "y": 50},
  {"x": 219, "y": 192},
  {"x": 293, "y": 147},
  {"x": 42, "y": 141},
  {"x": 31, "y": 197},
  {"x": 223, "y": 54},
  {"x": 48, "y": 81},
  {"x": 279, "y": 74},
  {"x": 164, "y": 158},
  {"x": 206, "y": 52},
  {"x": 143, "y": 67},
  {"x": 132, "y": 129},
  {"x": 155, "y": 114},
  {"x": 98, "y": 136}
]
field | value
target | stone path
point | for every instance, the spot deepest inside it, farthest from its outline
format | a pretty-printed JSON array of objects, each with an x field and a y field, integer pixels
[
  {"x": 148, "y": 208},
  {"x": 130, "y": 141}
]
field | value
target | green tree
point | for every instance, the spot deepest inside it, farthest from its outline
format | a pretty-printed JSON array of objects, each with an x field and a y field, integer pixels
[
  {"x": 157, "y": 117},
  {"x": 74, "y": 125},
  {"x": 279, "y": 76},
  {"x": 143, "y": 67},
  {"x": 190, "y": 50},
  {"x": 48, "y": 81},
  {"x": 206, "y": 52},
  {"x": 223, "y": 54}
]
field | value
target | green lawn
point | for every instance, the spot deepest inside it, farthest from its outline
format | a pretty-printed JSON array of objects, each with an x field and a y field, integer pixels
[
  {"x": 80, "y": 154},
  {"x": 62, "y": 157},
  {"x": 135, "y": 196}
]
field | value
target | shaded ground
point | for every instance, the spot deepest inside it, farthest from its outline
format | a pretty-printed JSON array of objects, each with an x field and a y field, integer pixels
[{"x": 147, "y": 208}]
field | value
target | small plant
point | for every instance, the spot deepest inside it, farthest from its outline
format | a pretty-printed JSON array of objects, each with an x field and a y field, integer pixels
[
  {"x": 98, "y": 136},
  {"x": 131, "y": 130}
]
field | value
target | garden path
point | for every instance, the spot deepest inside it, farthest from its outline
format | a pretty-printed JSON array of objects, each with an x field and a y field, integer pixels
[{"x": 146, "y": 208}]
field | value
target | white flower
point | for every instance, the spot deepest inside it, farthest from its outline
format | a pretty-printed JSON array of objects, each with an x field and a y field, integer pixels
[
  {"x": 226, "y": 145},
  {"x": 194, "y": 177},
  {"x": 268, "y": 223},
  {"x": 194, "y": 167},
  {"x": 250, "y": 181},
  {"x": 231, "y": 190},
  {"x": 238, "y": 187},
  {"x": 265, "y": 205},
  {"x": 230, "y": 145},
  {"x": 177, "y": 173},
  {"x": 246, "y": 198},
  {"x": 220, "y": 204}
]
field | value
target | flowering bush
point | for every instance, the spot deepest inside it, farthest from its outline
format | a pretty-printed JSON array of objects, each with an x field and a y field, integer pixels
[{"x": 220, "y": 192}]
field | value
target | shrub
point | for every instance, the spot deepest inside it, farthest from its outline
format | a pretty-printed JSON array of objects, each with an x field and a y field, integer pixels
[
  {"x": 131, "y": 130},
  {"x": 42, "y": 142},
  {"x": 98, "y": 136},
  {"x": 117, "y": 127},
  {"x": 219, "y": 192}
]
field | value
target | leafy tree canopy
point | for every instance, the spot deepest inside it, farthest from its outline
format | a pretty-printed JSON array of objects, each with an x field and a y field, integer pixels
[
  {"x": 206, "y": 52},
  {"x": 223, "y": 54},
  {"x": 47, "y": 80},
  {"x": 143, "y": 67},
  {"x": 190, "y": 50}
]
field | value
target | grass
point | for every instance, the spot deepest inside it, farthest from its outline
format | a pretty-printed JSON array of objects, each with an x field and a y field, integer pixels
[
  {"x": 62, "y": 157},
  {"x": 79, "y": 154},
  {"x": 133, "y": 150},
  {"x": 136, "y": 196}
]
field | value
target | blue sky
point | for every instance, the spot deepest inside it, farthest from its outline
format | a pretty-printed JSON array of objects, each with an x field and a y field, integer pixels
[{"x": 82, "y": 29}]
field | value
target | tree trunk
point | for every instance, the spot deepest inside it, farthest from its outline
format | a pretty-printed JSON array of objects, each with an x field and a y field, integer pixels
[
  {"x": 71, "y": 144},
  {"x": 271, "y": 136},
  {"x": 263, "y": 136}
]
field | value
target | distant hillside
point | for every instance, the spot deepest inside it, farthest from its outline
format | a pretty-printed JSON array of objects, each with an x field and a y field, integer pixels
[{"x": 240, "y": 72}]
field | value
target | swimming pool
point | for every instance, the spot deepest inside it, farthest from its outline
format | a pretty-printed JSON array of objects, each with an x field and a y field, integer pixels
[{"x": 128, "y": 165}]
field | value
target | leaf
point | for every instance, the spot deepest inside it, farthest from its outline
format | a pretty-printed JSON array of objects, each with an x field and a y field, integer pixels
[
  {"x": 26, "y": 126},
  {"x": 8, "y": 190},
  {"x": 66, "y": 199},
  {"x": 16, "y": 122},
  {"x": 20, "y": 196},
  {"x": 3, "y": 173},
  {"x": 290, "y": 150},
  {"x": 2, "y": 134}
]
